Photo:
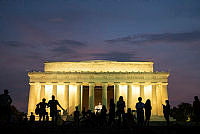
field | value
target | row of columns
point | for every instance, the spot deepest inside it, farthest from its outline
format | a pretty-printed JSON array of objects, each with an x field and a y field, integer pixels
[
  {"x": 37, "y": 93},
  {"x": 159, "y": 95}
]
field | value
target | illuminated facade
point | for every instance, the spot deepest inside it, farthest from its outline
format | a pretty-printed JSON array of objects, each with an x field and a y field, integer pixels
[{"x": 88, "y": 83}]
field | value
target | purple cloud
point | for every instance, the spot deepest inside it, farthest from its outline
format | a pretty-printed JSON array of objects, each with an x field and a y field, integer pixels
[{"x": 143, "y": 39}]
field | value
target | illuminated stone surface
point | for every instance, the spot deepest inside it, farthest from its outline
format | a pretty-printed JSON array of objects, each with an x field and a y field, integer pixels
[{"x": 68, "y": 81}]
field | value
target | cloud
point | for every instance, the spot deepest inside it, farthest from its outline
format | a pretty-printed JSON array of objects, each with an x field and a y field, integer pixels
[
  {"x": 67, "y": 46},
  {"x": 115, "y": 55},
  {"x": 12, "y": 43},
  {"x": 69, "y": 42},
  {"x": 19, "y": 51},
  {"x": 143, "y": 39},
  {"x": 51, "y": 46}
]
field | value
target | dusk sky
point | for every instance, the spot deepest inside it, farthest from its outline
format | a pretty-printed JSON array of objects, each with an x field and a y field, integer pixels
[{"x": 164, "y": 31}]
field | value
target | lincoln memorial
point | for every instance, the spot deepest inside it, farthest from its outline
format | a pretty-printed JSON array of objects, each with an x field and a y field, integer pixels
[{"x": 88, "y": 83}]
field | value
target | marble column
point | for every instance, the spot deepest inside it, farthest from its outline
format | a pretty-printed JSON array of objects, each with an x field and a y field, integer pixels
[
  {"x": 78, "y": 97},
  {"x": 91, "y": 96},
  {"x": 154, "y": 100},
  {"x": 31, "y": 103},
  {"x": 37, "y": 93},
  {"x": 135, "y": 94},
  {"x": 54, "y": 92},
  {"x": 159, "y": 100},
  {"x": 164, "y": 93},
  {"x": 129, "y": 97},
  {"x": 66, "y": 98},
  {"x": 116, "y": 92},
  {"x": 42, "y": 92},
  {"x": 104, "y": 94},
  {"x": 142, "y": 92}
]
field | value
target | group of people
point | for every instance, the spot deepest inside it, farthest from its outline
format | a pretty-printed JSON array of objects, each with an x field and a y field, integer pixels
[
  {"x": 143, "y": 111},
  {"x": 102, "y": 113},
  {"x": 140, "y": 108},
  {"x": 41, "y": 109},
  {"x": 5, "y": 112}
]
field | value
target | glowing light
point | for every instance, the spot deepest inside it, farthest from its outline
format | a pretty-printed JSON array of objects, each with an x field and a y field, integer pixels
[
  {"x": 60, "y": 95},
  {"x": 147, "y": 93},
  {"x": 135, "y": 94},
  {"x": 48, "y": 92},
  {"x": 72, "y": 98},
  {"x": 123, "y": 92},
  {"x": 38, "y": 90}
]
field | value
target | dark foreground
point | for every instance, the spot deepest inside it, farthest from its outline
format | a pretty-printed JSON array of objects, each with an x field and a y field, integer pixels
[{"x": 68, "y": 128}]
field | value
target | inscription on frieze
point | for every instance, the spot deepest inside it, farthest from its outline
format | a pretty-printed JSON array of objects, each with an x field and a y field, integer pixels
[{"x": 60, "y": 77}]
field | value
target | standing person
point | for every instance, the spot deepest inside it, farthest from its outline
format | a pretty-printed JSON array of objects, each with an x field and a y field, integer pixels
[
  {"x": 148, "y": 108},
  {"x": 140, "y": 112},
  {"x": 5, "y": 106},
  {"x": 76, "y": 117},
  {"x": 129, "y": 118},
  {"x": 25, "y": 118},
  {"x": 166, "y": 111},
  {"x": 47, "y": 117},
  {"x": 103, "y": 115},
  {"x": 32, "y": 117},
  {"x": 53, "y": 109},
  {"x": 196, "y": 109},
  {"x": 84, "y": 113},
  {"x": 120, "y": 108},
  {"x": 42, "y": 109},
  {"x": 112, "y": 112}
]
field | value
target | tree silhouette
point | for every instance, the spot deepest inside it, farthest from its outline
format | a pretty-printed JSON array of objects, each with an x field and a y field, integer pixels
[{"x": 183, "y": 112}]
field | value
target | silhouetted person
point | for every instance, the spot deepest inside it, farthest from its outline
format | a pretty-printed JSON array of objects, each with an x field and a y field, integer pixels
[
  {"x": 140, "y": 112},
  {"x": 130, "y": 118},
  {"x": 120, "y": 108},
  {"x": 89, "y": 117},
  {"x": 76, "y": 117},
  {"x": 148, "y": 108},
  {"x": 111, "y": 112},
  {"x": 5, "y": 106},
  {"x": 84, "y": 113},
  {"x": 42, "y": 109},
  {"x": 53, "y": 109},
  {"x": 166, "y": 111},
  {"x": 37, "y": 109},
  {"x": 25, "y": 118},
  {"x": 32, "y": 117},
  {"x": 103, "y": 115},
  {"x": 47, "y": 117},
  {"x": 196, "y": 109}
]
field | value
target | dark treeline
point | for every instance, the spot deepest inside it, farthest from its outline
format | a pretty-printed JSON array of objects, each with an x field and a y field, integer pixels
[
  {"x": 183, "y": 112},
  {"x": 187, "y": 112}
]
